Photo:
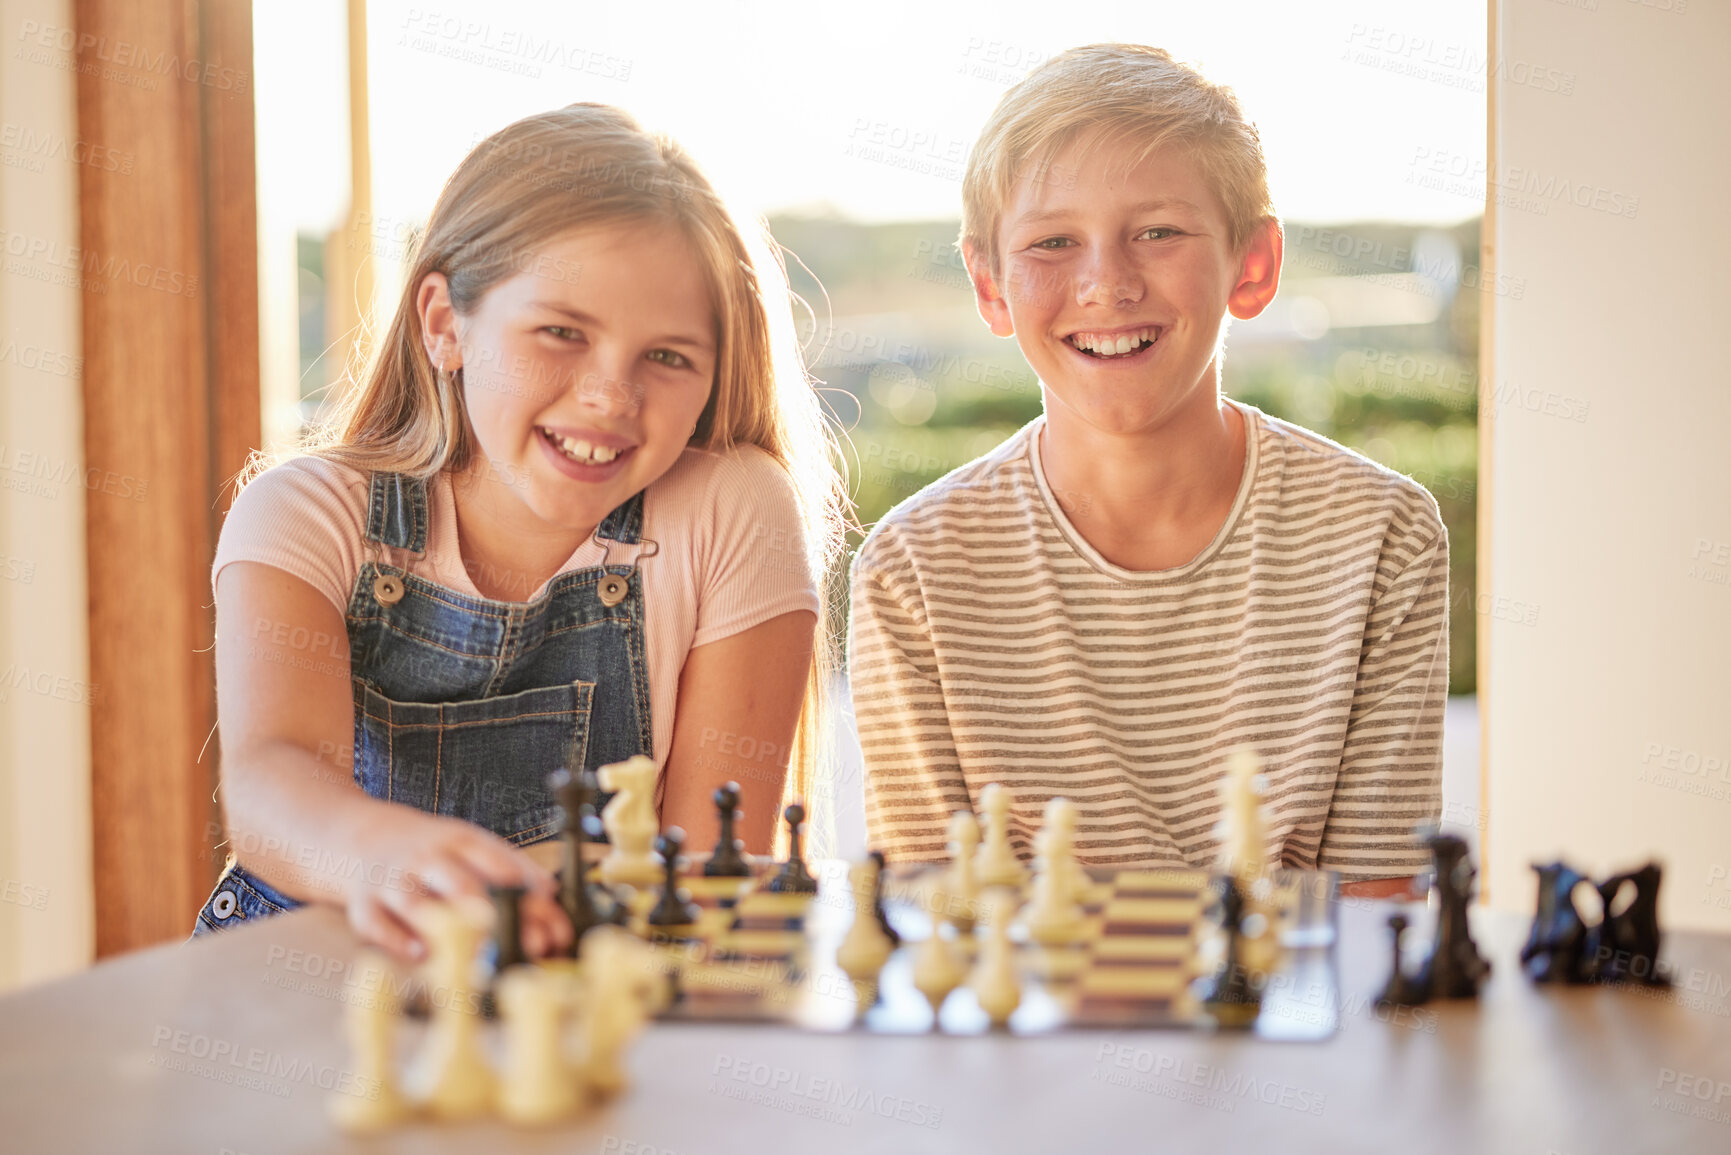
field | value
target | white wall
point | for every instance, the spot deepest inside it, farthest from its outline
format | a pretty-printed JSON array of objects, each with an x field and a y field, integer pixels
[
  {"x": 47, "y": 912},
  {"x": 1608, "y": 720}
]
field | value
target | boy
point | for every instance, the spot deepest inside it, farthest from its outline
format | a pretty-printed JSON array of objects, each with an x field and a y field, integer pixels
[{"x": 1148, "y": 574}]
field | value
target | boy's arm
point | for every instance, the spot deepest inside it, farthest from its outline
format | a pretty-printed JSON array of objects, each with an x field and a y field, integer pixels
[
  {"x": 913, "y": 779},
  {"x": 1390, "y": 777}
]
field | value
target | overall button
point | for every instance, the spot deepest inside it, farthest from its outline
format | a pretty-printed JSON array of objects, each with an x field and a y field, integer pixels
[
  {"x": 612, "y": 590},
  {"x": 388, "y": 588},
  {"x": 224, "y": 904}
]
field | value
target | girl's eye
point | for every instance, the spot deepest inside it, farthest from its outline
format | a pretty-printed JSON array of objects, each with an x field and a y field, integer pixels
[
  {"x": 668, "y": 357},
  {"x": 562, "y": 333}
]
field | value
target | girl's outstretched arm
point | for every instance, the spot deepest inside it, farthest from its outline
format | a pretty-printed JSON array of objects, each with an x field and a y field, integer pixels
[
  {"x": 739, "y": 702},
  {"x": 293, "y": 812}
]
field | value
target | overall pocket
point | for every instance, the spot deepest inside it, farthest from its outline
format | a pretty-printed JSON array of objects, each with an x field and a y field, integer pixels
[{"x": 485, "y": 760}]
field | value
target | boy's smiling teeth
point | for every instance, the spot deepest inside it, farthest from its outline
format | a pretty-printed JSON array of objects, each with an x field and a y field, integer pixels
[
  {"x": 580, "y": 451},
  {"x": 1114, "y": 344}
]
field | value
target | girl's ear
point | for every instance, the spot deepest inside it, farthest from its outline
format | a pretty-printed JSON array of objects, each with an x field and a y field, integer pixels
[
  {"x": 994, "y": 310},
  {"x": 439, "y": 323}
]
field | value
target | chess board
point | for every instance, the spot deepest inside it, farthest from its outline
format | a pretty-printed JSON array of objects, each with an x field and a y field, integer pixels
[{"x": 758, "y": 957}]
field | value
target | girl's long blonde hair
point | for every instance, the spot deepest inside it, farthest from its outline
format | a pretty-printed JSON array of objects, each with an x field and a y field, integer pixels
[{"x": 521, "y": 188}]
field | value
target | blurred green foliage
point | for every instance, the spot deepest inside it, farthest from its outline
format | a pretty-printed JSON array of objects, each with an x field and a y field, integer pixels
[{"x": 1378, "y": 350}]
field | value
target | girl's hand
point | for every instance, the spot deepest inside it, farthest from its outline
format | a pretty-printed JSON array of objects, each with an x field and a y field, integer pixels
[{"x": 412, "y": 857}]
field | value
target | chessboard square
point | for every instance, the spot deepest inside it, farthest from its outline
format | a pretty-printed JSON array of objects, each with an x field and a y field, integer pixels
[
  {"x": 1179, "y": 912},
  {"x": 1144, "y": 947},
  {"x": 1135, "y": 982},
  {"x": 764, "y": 943},
  {"x": 763, "y": 904},
  {"x": 1056, "y": 964},
  {"x": 1174, "y": 882}
]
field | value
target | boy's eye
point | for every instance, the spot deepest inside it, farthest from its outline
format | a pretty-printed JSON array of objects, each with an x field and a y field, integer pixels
[
  {"x": 668, "y": 357},
  {"x": 1050, "y": 243},
  {"x": 562, "y": 332},
  {"x": 1170, "y": 232}
]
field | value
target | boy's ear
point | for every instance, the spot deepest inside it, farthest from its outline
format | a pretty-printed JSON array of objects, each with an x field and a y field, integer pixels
[
  {"x": 439, "y": 322},
  {"x": 1258, "y": 272},
  {"x": 994, "y": 310}
]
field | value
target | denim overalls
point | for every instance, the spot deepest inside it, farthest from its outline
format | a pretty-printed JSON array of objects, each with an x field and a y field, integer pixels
[{"x": 464, "y": 705}]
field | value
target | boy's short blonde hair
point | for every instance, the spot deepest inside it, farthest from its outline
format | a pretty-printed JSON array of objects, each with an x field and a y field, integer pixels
[{"x": 1103, "y": 92}]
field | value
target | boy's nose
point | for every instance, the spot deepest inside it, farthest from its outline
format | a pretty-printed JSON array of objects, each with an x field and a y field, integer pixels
[{"x": 1108, "y": 280}]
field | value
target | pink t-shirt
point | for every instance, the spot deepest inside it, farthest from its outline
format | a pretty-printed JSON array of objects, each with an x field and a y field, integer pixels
[{"x": 731, "y": 556}]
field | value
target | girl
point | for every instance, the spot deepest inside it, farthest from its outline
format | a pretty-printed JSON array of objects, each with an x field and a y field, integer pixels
[{"x": 580, "y": 502}]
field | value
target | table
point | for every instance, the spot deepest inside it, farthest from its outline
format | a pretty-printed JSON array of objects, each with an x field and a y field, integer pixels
[{"x": 151, "y": 1052}]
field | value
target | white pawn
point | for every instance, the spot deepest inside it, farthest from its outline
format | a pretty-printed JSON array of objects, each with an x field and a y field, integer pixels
[
  {"x": 996, "y": 864},
  {"x": 536, "y": 1085},
  {"x": 962, "y": 884},
  {"x": 368, "y": 1020},
  {"x": 994, "y": 981},
  {"x": 937, "y": 970},
  {"x": 623, "y": 984},
  {"x": 1054, "y": 915},
  {"x": 865, "y": 948},
  {"x": 1059, "y": 824},
  {"x": 451, "y": 1079},
  {"x": 631, "y": 824}
]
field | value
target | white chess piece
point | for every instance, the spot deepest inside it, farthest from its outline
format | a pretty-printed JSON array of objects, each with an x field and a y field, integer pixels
[
  {"x": 1054, "y": 914},
  {"x": 937, "y": 970},
  {"x": 369, "y": 1020},
  {"x": 996, "y": 864},
  {"x": 1059, "y": 823},
  {"x": 994, "y": 981},
  {"x": 865, "y": 948},
  {"x": 1243, "y": 844},
  {"x": 451, "y": 1079},
  {"x": 536, "y": 1085},
  {"x": 623, "y": 984},
  {"x": 630, "y": 821},
  {"x": 960, "y": 882}
]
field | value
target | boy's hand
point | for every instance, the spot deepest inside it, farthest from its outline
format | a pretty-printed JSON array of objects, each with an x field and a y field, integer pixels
[{"x": 412, "y": 857}]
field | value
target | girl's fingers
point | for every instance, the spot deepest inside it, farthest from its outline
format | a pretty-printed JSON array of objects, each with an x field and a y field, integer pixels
[
  {"x": 500, "y": 863},
  {"x": 546, "y": 929},
  {"x": 376, "y": 924}
]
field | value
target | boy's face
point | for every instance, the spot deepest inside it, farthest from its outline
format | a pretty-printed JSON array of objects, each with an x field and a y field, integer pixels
[{"x": 1122, "y": 258}]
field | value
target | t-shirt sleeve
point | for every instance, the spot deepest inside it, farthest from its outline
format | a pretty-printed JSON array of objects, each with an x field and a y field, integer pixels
[
  {"x": 755, "y": 557},
  {"x": 301, "y": 516},
  {"x": 1390, "y": 778}
]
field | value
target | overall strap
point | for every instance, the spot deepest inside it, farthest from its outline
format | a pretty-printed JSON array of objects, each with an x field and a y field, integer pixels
[
  {"x": 625, "y": 523},
  {"x": 397, "y": 512}
]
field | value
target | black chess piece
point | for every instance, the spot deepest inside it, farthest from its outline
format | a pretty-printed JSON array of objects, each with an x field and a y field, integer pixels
[
  {"x": 1232, "y": 997},
  {"x": 507, "y": 926},
  {"x": 1627, "y": 946},
  {"x": 1455, "y": 967},
  {"x": 585, "y": 903},
  {"x": 675, "y": 907},
  {"x": 793, "y": 878},
  {"x": 1402, "y": 989},
  {"x": 727, "y": 861},
  {"x": 1558, "y": 947},
  {"x": 878, "y": 911}
]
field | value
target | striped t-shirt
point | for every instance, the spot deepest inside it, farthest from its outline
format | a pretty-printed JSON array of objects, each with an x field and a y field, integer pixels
[{"x": 991, "y": 643}]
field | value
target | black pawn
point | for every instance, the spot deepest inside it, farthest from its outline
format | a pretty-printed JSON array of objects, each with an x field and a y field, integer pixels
[
  {"x": 727, "y": 861},
  {"x": 878, "y": 911},
  {"x": 507, "y": 926},
  {"x": 674, "y": 909},
  {"x": 1402, "y": 989},
  {"x": 793, "y": 878},
  {"x": 585, "y": 903}
]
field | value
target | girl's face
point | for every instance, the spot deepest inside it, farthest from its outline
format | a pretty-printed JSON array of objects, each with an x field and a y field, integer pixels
[{"x": 585, "y": 373}]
